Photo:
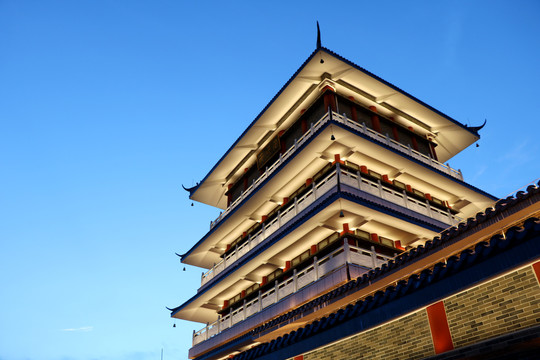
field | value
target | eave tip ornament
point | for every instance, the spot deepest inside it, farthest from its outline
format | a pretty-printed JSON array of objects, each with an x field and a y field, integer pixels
[
  {"x": 318, "y": 36},
  {"x": 191, "y": 189},
  {"x": 476, "y": 129}
]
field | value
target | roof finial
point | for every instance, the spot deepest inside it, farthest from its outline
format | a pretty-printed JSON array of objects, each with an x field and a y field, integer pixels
[
  {"x": 318, "y": 36},
  {"x": 476, "y": 129}
]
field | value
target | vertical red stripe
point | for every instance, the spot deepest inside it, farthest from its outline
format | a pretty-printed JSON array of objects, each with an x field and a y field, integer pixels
[
  {"x": 536, "y": 268},
  {"x": 440, "y": 332},
  {"x": 299, "y": 357}
]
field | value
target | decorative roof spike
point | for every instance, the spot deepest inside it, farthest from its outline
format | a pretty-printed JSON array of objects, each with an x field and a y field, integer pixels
[
  {"x": 189, "y": 190},
  {"x": 318, "y": 36},
  {"x": 476, "y": 129}
]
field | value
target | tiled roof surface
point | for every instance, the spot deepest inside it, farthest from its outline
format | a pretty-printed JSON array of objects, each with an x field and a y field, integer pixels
[{"x": 454, "y": 264}]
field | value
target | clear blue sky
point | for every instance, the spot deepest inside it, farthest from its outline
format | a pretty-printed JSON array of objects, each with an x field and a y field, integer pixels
[{"x": 107, "y": 107}]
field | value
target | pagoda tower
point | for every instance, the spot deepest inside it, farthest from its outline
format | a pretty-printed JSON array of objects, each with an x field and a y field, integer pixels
[{"x": 340, "y": 173}]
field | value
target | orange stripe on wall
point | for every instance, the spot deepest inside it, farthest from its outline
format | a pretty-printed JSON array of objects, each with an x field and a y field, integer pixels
[{"x": 438, "y": 324}]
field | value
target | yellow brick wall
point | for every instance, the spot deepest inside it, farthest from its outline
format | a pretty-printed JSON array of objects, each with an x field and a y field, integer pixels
[
  {"x": 406, "y": 338},
  {"x": 497, "y": 307}
]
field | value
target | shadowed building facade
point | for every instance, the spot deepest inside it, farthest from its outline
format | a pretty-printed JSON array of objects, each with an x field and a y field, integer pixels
[{"x": 345, "y": 235}]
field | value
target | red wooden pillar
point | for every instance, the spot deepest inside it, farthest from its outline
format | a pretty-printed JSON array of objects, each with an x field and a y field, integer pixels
[
  {"x": 413, "y": 137},
  {"x": 329, "y": 98},
  {"x": 229, "y": 195},
  {"x": 337, "y": 159},
  {"x": 394, "y": 130},
  {"x": 287, "y": 265},
  {"x": 281, "y": 142},
  {"x": 245, "y": 179},
  {"x": 346, "y": 229},
  {"x": 354, "y": 114},
  {"x": 375, "y": 120}
]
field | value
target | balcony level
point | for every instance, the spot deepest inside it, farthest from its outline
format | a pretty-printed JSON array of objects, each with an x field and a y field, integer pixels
[
  {"x": 291, "y": 288},
  {"x": 362, "y": 128},
  {"x": 361, "y": 95},
  {"x": 366, "y": 184}
]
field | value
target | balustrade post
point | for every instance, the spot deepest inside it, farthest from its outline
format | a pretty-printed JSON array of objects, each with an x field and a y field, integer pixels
[
  {"x": 230, "y": 318},
  {"x": 359, "y": 178},
  {"x": 263, "y": 231},
  {"x": 428, "y": 207},
  {"x": 380, "y": 188},
  {"x": 338, "y": 176},
  {"x": 193, "y": 337},
  {"x": 316, "y": 268},
  {"x": 295, "y": 145},
  {"x": 250, "y": 245},
  {"x": 276, "y": 290},
  {"x": 295, "y": 206},
  {"x": 260, "y": 301},
  {"x": 314, "y": 190},
  {"x": 347, "y": 250},
  {"x": 373, "y": 257},
  {"x": 387, "y": 139},
  {"x": 244, "y": 309},
  {"x": 279, "y": 218},
  {"x": 206, "y": 332},
  {"x": 295, "y": 281},
  {"x": 405, "y": 199},
  {"x": 409, "y": 149},
  {"x": 219, "y": 324}
]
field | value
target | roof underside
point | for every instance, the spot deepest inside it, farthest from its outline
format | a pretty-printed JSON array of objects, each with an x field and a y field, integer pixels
[{"x": 302, "y": 90}]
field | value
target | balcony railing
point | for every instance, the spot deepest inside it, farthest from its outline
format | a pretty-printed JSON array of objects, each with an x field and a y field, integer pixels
[
  {"x": 351, "y": 124},
  {"x": 318, "y": 189},
  {"x": 319, "y": 268}
]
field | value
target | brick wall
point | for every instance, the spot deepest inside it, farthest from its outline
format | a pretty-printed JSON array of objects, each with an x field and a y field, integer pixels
[
  {"x": 407, "y": 337},
  {"x": 499, "y": 306}
]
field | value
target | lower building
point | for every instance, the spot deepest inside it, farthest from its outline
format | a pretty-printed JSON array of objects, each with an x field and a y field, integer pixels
[{"x": 471, "y": 293}]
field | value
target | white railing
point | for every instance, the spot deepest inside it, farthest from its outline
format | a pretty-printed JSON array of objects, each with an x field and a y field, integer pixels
[
  {"x": 269, "y": 170},
  {"x": 397, "y": 145},
  {"x": 397, "y": 197},
  {"x": 318, "y": 269},
  {"x": 318, "y": 189}
]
